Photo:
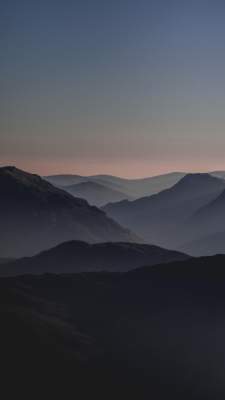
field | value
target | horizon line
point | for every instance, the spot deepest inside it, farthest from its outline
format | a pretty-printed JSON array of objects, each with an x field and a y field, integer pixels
[{"x": 32, "y": 171}]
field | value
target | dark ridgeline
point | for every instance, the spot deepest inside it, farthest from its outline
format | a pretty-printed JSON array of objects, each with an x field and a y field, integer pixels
[
  {"x": 35, "y": 215},
  {"x": 169, "y": 218},
  {"x": 155, "y": 332},
  {"x": 75, "y": 256}
]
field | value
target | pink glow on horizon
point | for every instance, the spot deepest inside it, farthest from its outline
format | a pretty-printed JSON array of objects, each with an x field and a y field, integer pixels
[{"x": 123, "y": 168}]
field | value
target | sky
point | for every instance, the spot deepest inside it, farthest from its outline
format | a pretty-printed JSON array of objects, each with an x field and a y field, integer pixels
[{"x": 123, "y": 87}]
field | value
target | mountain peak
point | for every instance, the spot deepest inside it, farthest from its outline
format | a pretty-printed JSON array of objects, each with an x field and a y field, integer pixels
[
  {"x": 199, "y": 180},
  {"x": 193, "y": 177},
  {"x": 11, "y": 169},
  {"x": 12, "y": 179},
  {"x": 17, "y": 173}
]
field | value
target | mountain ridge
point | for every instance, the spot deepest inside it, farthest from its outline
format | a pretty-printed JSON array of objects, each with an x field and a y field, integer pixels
[
  {"x": 95, "y": 193},
  {"x": 77, "y": 256},
  {"x": 36, "y": 215},
  {"x": 157, "y": 218},
  {"x": 138, "y": 187}
]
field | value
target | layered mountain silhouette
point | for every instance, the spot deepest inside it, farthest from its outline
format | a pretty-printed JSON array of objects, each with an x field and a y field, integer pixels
[
  {"x": 131, "y": 188},
  {"x": 64, "y": 179},
  {"x": 218, "y": 174},
  {"x": 162, "y": 218},
  {"x": 35, "y": 215},
  {"x": 95, "y": 193},
  {"x": 152, "y": 332},
  {"x": 212, "y": 215},
  {"x": 207, "y": 228},
  {"x": 75, "y": 256}
]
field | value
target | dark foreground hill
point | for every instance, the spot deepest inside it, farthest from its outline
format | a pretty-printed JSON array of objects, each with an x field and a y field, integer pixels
[
  {"x": 75, "y": 256},
  {"x": 35, "y": 215},
  {"x": 157, "y": 332}
]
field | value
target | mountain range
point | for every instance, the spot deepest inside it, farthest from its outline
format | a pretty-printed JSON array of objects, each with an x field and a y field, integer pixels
[
  {"x": 130, "y": 188},
  {"x": 206, "y": 228},
  {"x": 102, "y": 189},
  {"x": 35, "y": 216},
  {"x": 93, "y": 312},
  {"x": 170, "y": 218},
  {"x": 95, "y": 193},
  {"x": 75, "y": 256}
]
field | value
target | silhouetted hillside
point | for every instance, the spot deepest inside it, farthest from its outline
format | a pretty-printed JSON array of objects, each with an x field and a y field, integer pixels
[
  {"x": 72, "y": 257},
  {"x": 5, "y": 260},
  {"x": 35, "y": 215},
  {"x": 157, "y": 331}
]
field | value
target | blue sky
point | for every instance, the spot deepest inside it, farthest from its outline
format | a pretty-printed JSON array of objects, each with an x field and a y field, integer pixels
[{"x": 125, "y": 87}]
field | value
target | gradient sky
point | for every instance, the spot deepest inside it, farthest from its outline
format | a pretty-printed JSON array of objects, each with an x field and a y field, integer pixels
[{"x": 132, "y": 88}]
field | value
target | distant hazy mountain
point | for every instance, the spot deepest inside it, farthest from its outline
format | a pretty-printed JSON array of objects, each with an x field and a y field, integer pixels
[
  {"x": 130, "y": 187},
  {"x": 155, "y": 332},
  {"x": 95, "y": 193},
  {"x": 35, "y": 215},
  {"x": 218, "y": 174},
  {"x": 207, "y": 227},
  {"x": 161, "y": 218},
  {"x": 211, "y": 217},
  {"x": 64, "y": 180},
  {"x": 142, "y": 186},
  {"x": 75, "y": 256}
]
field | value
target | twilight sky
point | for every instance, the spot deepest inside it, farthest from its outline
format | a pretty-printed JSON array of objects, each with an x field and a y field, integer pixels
[{"x": 126, "y": 87}]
